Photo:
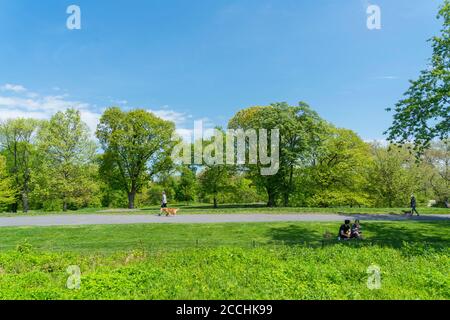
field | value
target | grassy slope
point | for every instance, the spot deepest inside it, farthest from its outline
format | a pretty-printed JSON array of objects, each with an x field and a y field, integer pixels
[{"x": 133, "y": 262}]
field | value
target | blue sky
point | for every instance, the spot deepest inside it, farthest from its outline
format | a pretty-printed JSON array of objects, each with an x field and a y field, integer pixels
[{"x": 206, "y": 59}]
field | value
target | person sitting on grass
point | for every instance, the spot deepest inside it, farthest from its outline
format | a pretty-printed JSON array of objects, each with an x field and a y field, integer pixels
[
  {"x": 356, "y": 232},
  {"x": 345, "y": 231}
]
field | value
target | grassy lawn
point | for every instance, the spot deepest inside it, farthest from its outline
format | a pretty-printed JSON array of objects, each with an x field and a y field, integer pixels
[
  {"x": 238, "y": 208},
  {"x": 225, "y": 261},
  {"x": 113, "y": 238}
]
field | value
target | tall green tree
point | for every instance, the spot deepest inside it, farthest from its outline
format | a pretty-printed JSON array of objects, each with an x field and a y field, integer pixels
[
  {"x": 216, "y": 177},
  {"x": 437, "y": 160},
  {"x": 393, "y": 176},
  {"x": 17, "y": 139},
  {"x": 299, "y": 128},
  {"x": 7, "y": 192},
  {"x": 337, "y": 175},
  {"x": 137, "y": 146},
  {"x": 424, "y": 113},
  {"x": 66, "y": 160},
  {"x": 215, "y": 180},
  {"x": 187, "y": 185}
]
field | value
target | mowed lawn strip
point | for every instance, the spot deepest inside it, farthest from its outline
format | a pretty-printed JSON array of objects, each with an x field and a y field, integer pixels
[{"x": 111, "y": 238}]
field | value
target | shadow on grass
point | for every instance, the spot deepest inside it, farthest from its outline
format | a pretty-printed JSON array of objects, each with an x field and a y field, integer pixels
[
  {"x": 294, "y": 234},
  {"x": 419, "y": 238},
  {"x": 228, "y": 206},
  {"x": 393, "y": 217},
  {"x": 211, "y": 207},
  {"x": 418, "y": 232}
]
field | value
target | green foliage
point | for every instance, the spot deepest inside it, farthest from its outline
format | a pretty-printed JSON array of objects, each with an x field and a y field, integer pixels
[
  {"x": 300, "y": 129},
  {"x": 228, "y": 273},
  {"x": 337, "y": 175},
  {"x": 186, "y": 189},
  {"x": 52, "y": 205},
  {"x": 338, "y": 198},
  {"x": 215, "y": 181},
  {"x": 7, "y": 192},
  {"x": 393, "y": 176},
  {"x": 137, "y": 146},
  {"x": 66, "y": 170},
  {"x": 17, "y": 140},
  {"x": 155, "y": 194},
  {"x": 436, "y": 161},
  {"x": 424, "y": 113}
]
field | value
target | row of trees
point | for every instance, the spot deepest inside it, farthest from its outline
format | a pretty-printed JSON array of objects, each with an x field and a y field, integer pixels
[{"x": 56, "y": 165}]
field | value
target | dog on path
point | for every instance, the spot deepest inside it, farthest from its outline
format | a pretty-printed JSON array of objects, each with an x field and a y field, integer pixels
[{"x": 168, "y": 211}]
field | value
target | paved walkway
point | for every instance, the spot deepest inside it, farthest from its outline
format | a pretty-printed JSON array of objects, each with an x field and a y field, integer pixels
[{"x": 95, "y": 219}]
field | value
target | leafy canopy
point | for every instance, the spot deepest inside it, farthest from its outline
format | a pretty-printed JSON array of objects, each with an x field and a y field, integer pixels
[{"x": 424, "y": 113}]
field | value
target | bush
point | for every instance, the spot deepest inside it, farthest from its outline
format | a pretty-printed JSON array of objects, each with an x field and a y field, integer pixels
[{"x": 339, "y": 199}]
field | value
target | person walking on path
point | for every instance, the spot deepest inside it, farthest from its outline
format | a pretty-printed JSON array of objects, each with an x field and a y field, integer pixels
[
  {"x": 164, "y": 200},
  {"x": 413, "y": 205}
]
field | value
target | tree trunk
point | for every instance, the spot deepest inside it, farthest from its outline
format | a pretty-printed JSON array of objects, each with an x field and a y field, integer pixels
[
  {"x": 215, "y": 202},
  {"x": 14, "y": 207},
  {"x": 25, "y": 202},
  {"x": 290, "y": 187},
  {"x": 271, "y": 203},
  {"x": 286, "y": 199},
  {"x": 131, "y": 196},
  {"x": 25, "y": 191},
  {"x": 65, "y": 205}
]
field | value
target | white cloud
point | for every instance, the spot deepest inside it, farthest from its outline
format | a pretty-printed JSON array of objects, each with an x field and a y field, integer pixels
[
  {"x": 91, "y": 119},
  {"x": 13, "y": 88},
  {"x": 26, "y": 104},
  {"x": 118, "y": 102},
  {"x": 171, "y": 115},
  {"x": 379, "y": 142}
]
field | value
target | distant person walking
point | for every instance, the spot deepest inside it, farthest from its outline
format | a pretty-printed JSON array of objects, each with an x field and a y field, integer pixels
[
  {"x": 164, "y": 200},
  {"x": 413, "y": 205}
]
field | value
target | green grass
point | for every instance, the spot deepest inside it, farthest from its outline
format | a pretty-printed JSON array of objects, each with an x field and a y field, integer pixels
[
  {"x": 225, "y": 261},
  {"x": 236, "y": 209},
  {"x": 113, "y": 238}
]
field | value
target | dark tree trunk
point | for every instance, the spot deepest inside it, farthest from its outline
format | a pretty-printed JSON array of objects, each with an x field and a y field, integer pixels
[
  {"x": 25, "y": 202},
  {"x": 131, "y": 197},
  {"x": 14, "y": 207},
  {"x": 290, "y": 186},
  {"x": 25, "y": 196},
  {"x": 286, "y": 199},
  {"x": 215, "y": 202},
  {"x": 272, "y": 200}
]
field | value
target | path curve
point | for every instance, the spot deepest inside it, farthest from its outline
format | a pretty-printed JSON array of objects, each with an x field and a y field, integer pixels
[{"x": 96, "y": 219}]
